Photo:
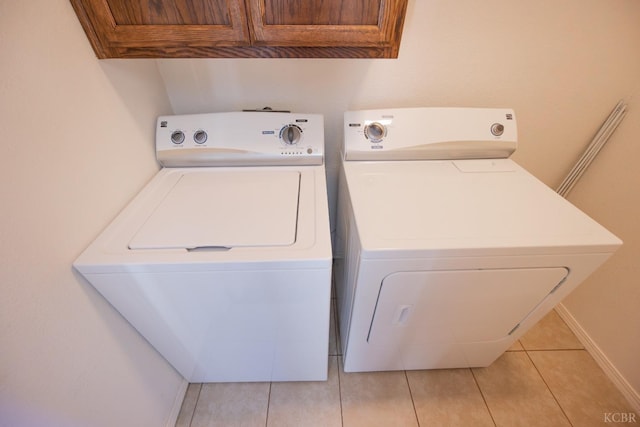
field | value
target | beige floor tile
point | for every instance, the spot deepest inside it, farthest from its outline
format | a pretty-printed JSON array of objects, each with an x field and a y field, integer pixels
[
  {"x": 231, "y": 405},
  {"x": 516, "y": 346},
  {"x": 188, "y": 405},
  {"x": 313, "y": 403},
  {"x": 371, "y": 399},
  {"x": 516, "y": 394},
  {"x": 550, "y": 333},
  {"x": 448, "y": 397},
  {"x": 581, "y": 387}
]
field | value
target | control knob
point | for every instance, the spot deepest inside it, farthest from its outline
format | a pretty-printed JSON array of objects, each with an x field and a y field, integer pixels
[
  {"x": 200, "y": 137},
  {"x": 375, "y": 131},
  {"x": 291, "y": 134},
  {"x": 177, "y": 137},
  {"x": 497, "y": 129}
]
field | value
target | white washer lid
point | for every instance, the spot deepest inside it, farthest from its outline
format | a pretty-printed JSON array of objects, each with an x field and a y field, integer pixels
[{"x": 224, "y": 209}]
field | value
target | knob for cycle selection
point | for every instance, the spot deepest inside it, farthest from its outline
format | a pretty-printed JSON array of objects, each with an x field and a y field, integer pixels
[
  {"x": 200, "y": 137},
  {"x": 177, "y": 137},
  {"x": 291, "y": 134},
  {"x": 375, "y": 131},
  {"x": 497, "y": 129}
]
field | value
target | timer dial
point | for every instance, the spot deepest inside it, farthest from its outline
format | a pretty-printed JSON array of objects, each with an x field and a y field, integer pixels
[
  {"x": 497, "y": 129},
  {"x": 375, "y": 131},
  {"x": 291, "y": 134}
]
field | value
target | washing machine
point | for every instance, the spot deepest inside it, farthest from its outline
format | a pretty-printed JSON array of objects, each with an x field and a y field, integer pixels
[
  {"x": 223, "y": 261},
  {"x": 448, "y": 251}
]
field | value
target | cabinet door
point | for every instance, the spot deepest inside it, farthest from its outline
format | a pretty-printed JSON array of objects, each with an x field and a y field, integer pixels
[
  {"x": 162, "y": 28},
  {"x": 373, "y": 24}
]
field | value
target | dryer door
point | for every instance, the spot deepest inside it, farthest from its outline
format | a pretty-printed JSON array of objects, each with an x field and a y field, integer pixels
[{"x": 428, "y": 313}]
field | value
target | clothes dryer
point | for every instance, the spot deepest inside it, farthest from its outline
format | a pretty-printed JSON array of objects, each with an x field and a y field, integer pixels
[
  {"x": 448, "y": 251},
  {"x": 223, "y": 261}
]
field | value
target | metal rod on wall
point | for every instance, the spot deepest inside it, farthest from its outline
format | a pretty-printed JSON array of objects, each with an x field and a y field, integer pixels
[{"x": 598, "y": 141}]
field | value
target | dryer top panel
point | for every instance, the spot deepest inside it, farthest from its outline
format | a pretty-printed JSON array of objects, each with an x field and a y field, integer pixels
[
  {"x": 429, "y": 133},
  {"x": 464, "y": 207},
  {"x": 240, "y": 139}
]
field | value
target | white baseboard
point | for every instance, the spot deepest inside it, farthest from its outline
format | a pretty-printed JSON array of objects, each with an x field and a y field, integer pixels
[
  {"x": 177, "y": 404},
  {"x": 601, "y": 359}
]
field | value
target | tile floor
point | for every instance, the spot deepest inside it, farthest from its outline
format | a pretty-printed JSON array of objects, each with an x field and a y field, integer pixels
[{"x": 545, "y": 379}]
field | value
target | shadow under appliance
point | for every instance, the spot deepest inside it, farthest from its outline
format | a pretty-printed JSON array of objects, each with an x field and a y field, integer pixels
[
  {"x": 223, "y": 261},
  {"x": 448, "y": 251}
]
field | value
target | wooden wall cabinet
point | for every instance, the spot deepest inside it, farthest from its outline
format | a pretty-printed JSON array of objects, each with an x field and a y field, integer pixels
[{"x": 242, "y": 28}]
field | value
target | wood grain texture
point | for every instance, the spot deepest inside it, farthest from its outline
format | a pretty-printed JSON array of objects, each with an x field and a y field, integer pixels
[
  {"x": 188, "y": 51},
  {"x": 384, "y": 32},
  {"x": 166, "y": 12},
  {"x": 89, "y": 29},
  {"x": 108, "y": 38},
  {"x": 321, "y": 12},
  {"x": 241, "y": 28}
]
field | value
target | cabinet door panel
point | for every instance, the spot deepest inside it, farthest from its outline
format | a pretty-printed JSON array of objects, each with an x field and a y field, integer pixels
[
  {"x": 242, "y": 28},
  {"x": 178, "y": 27},
  {"x": 373, "y": 23},
  {"x": 321, "y": 12},
  {"x": 167, "y": 12}
]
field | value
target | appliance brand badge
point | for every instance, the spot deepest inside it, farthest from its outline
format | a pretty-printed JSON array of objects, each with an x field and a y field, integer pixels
[
  {"x": 163, "y": 124},
  {"x": 509, "y": 116},
  {"x": 354, "y": 125}
]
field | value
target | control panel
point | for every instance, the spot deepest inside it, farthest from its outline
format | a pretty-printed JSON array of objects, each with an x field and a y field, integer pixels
[
  {"x": 240, "y": 139},
  {"x": 429, "y": 133}
]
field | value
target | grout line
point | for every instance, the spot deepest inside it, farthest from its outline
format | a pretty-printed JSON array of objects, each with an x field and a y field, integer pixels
[
  {"x": 193, "y": 413},
  {"x": 266, "y": 419},
  {"x": 547, "y": 385},
  {"x": 482, "y": 395},
  {"x": 406, "y": 377},
  {"x": 338, "y": 359}
]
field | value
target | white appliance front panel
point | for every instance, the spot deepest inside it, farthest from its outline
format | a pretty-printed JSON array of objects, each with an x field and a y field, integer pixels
[
  {"x": 430, "y": 133},
  {"x": 433, "y": 310},
  {"x": 224, "y": 209},
  {"x": 229, "y": 326},
  {"x": 359, "y": 296},
  {"x": 240, "y": 139}
]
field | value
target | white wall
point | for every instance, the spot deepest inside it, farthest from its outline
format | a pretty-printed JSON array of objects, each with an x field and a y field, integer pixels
[
  {"x": 607, "y": 304},
  {"x": 561, "y": 65},
  {"x": 77, "y": 144}
]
